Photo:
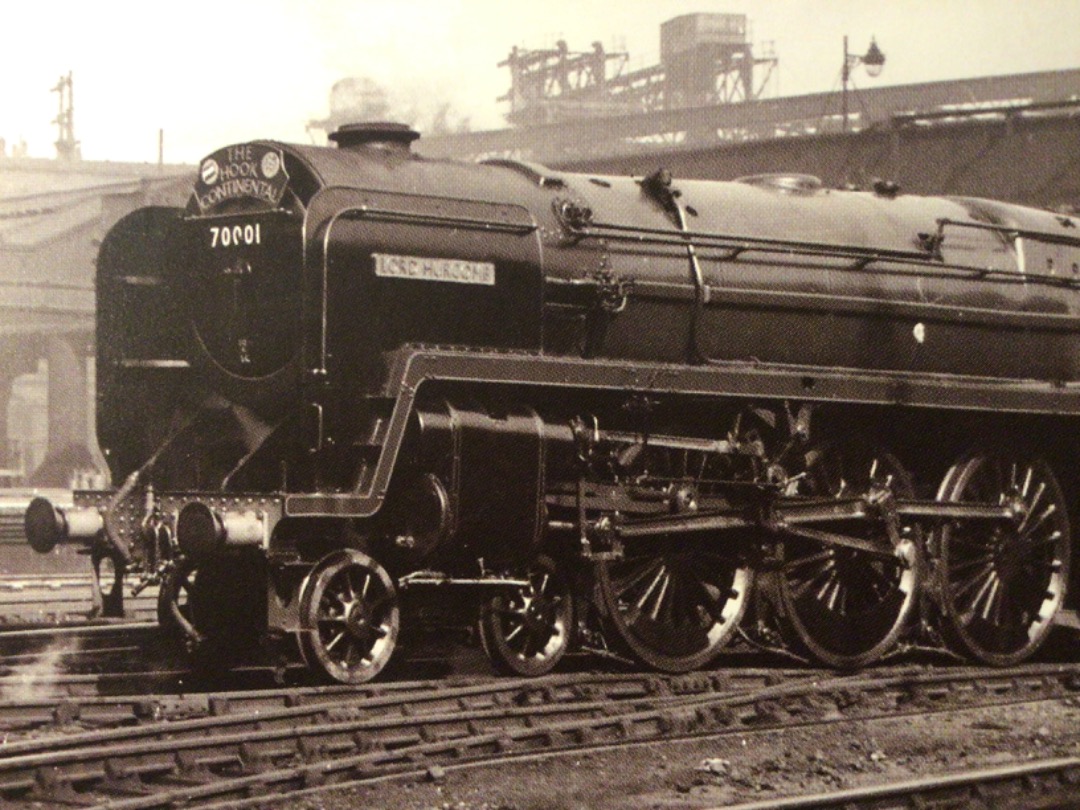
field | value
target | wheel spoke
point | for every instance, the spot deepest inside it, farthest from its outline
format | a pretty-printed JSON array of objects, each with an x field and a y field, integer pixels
[
  {"x": 995, "y": 585},
  {"x": 1025, "y": 530},
  {"x": 1031, "y": 507},
  {"x": 981, "y": 560},
  {"x": 645, "y": 570},
  {"x": 825, "y": 571},
  {"x": 971, "y": 582},
  {"x": 660, "y": 597},
  {"x": 800, "y": 562},
  {"x": 652, "y": 587},
  {"x": 981, "y": 581},
  {"x": 1033, "y": 544},
  {"x": 367, "y": 584},
  {"x": 336, "y": 640}
]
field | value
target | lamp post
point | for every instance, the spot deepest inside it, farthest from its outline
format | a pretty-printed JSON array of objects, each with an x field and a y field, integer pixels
[{"x": 873, "y": 60}]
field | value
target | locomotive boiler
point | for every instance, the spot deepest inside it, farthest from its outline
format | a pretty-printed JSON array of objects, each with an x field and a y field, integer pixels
[{"x": 347, "y": 389}]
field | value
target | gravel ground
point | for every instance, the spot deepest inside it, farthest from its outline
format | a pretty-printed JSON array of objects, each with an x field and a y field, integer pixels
[{"x": 739, "y": 768}]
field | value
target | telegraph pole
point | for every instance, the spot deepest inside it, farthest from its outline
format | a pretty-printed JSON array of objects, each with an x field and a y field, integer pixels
[{"x": 67, "y": 148}]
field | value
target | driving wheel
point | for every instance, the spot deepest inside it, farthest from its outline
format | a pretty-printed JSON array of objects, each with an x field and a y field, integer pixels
[
  {"x": 843, "y": 606},
  {"x": 1000, "y": 583},
  {"x": 675, "y": 611}
]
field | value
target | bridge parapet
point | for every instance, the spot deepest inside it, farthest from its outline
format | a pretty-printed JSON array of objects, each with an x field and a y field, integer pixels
[{"x": 700, "y": 127}]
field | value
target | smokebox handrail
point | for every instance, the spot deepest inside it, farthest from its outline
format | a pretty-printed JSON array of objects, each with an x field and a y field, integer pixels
[{"x": 395, "y": 215}]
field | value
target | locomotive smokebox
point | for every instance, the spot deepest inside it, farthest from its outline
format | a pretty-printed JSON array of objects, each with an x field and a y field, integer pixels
[{"x": 377, "y": 134}]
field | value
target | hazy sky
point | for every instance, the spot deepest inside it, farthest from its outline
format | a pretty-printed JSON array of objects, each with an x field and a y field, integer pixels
[{"x": 211, "y": 72}]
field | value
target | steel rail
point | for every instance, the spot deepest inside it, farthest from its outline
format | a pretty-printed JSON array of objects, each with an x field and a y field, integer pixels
[
  {"x": 1045, "y": 783},
  {"x": 227, "y": 712}
]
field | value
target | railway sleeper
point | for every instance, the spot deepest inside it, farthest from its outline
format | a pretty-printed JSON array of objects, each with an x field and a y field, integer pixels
[
  {"x": 53, "y": 786},
  {"x": 122, "y": 780}
]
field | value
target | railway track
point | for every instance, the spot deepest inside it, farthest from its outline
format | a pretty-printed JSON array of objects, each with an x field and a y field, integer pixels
[
  {"x": 1050, "y": 783},
  {"x": 294, "y": 706},
  {"x": 108, "y": 731},
  {"x": 246, "y": 756},
  {"x": 34, "y": 600},
  {"x": 46, "y": 656}
]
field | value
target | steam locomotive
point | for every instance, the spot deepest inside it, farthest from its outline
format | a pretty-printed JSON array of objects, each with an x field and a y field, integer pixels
[{"x": 349, "y": 391}]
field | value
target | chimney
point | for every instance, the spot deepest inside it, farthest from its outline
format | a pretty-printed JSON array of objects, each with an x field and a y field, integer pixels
[{"x": 376, "y": 134}]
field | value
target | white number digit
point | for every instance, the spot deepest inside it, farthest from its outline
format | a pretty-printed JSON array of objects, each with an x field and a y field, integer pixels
[{"x": 236, "y": 235}]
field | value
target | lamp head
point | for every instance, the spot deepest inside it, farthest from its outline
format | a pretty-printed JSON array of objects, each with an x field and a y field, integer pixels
[{"x": 874, "y": 60}]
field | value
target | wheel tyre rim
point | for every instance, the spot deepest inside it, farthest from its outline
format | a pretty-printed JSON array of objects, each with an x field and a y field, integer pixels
[
  {"x": 656, "y": 643},
  {"x": 349, "y": 617},
  {"x": 528, "y": 632}
]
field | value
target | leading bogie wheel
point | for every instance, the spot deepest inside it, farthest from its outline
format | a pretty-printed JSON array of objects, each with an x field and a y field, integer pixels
[
  {"x": 1000, "y": 583},
  {"x": 526, "y": 631},
  {"x": 841, "y": 606},
  {"x": 349, "y": 617}
]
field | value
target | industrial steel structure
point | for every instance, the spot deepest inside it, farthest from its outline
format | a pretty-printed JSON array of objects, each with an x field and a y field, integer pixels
[{"x": 704, "y": 59}]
